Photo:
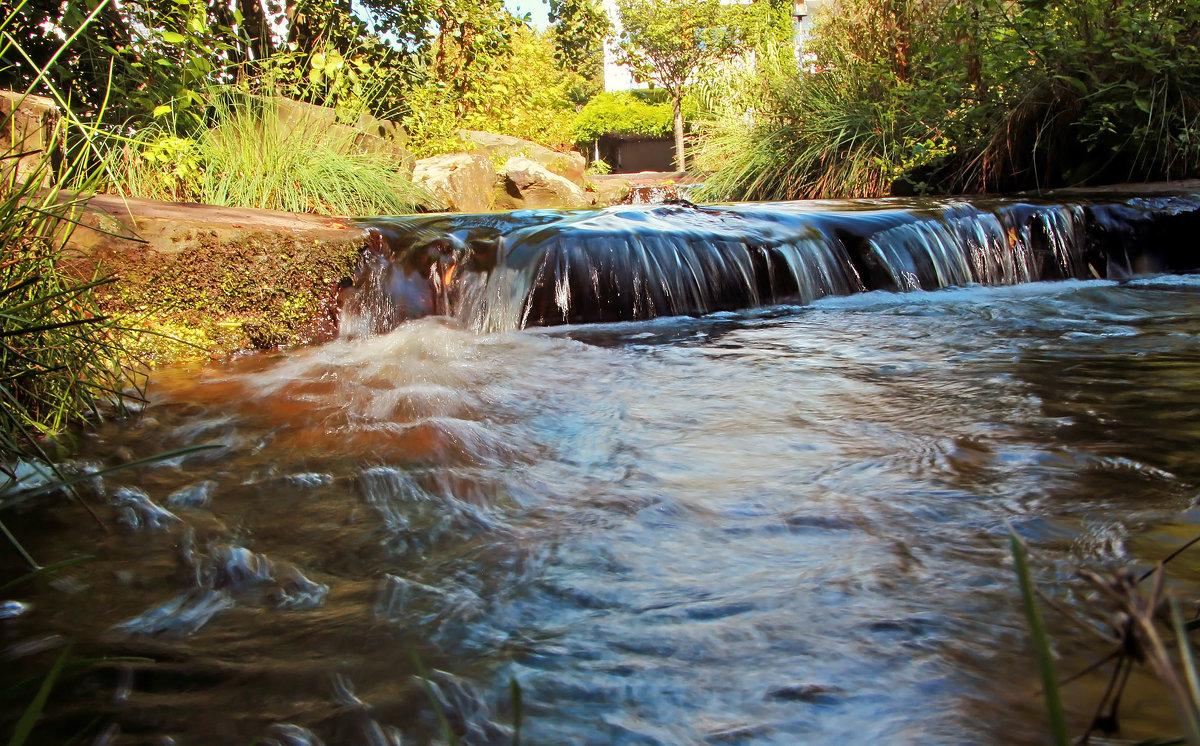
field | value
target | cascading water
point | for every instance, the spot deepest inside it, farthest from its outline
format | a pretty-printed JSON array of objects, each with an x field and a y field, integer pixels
[{"x": 538, "y": 268}]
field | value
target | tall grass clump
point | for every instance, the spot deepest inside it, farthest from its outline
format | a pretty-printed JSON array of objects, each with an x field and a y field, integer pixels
[
  {"x": 63, "y": 362},
  {"x": 250, "y": 153},
  {"x": 62, "y": 359},
  {"x": 60, "y": 355},
  {"x": 926, "y": 95},
  {"x": 847, "y": 120},
  {"x": 813, "y": 142}
]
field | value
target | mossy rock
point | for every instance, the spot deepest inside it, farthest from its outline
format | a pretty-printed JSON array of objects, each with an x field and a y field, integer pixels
[{"x": 223, "y": 280}]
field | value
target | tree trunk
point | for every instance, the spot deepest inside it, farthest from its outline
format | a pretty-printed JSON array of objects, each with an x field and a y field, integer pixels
[{"x": 677, "y": 103}]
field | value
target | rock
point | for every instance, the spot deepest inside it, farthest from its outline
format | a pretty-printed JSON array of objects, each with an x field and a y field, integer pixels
[
  {"x": 369, "y": 135},
  {"x": 500, "y": 148},
  {"x": 610, "y": 191},
  {"x": 457, "y": 181},
  {"x": 367, "y": 143},
  {"x": 197, "y": 273},
  {"x": 384, "y": 128},
  {"x": 538, "y": 187},
  {"x": 26, "y": 128},
  {"x": 292, "y": 114}
]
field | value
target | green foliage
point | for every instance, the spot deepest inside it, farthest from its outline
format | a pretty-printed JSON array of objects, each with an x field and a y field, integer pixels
[
  {"x": 249, "y": 155},
  {"x": 622, "y": 113},
  {"x": 580, "y": 27},
  {"x": 846, "y": 126},
  {"x": 527, "y": 95},
  {"x": 458, "y": 41},
  {"x": 1099, "y": 92},
  {"x": 983, "y": 95},
  {"x": 356, "y": 78},
  {"x": 670, "y": 43}
]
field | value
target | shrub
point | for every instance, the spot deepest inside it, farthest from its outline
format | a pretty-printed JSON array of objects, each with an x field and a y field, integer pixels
[
  {"x": 527, "y": 96},
  {"x": 621, "y": 113}
]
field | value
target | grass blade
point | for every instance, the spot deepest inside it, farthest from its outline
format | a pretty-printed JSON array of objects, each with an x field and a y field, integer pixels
[
  {"x": 46, "y": 571},
  {"x": 1041, "y": 644},
  {"x": 443, "y": 722},
  {"x": 30, "y": 716},
  {"x": 514, "y": 690}
]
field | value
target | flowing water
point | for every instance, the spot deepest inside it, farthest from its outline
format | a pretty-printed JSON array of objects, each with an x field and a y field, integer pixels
[{"x": 777, "y": 526}]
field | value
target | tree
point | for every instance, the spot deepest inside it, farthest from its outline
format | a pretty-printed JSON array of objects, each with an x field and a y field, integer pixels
[{"x": 672, "y": 42}]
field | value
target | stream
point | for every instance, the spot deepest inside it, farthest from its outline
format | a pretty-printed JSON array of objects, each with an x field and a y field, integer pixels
[{"x": 782, "y": 525}]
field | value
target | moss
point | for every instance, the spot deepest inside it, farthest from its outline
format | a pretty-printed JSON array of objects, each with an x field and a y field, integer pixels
[{"x": 262, "y": 290}]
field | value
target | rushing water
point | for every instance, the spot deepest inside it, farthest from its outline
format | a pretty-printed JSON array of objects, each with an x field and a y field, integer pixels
[
  {"x": 774, "y": 527},
  {"x": 506, "y": 271}
]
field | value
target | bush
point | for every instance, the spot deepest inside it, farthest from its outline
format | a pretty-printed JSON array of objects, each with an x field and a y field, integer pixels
[
  {"x": 621, "y": 113},
  {"x": 527, "y": 96}
]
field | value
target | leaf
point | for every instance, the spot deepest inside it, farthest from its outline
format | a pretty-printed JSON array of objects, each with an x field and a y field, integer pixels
[
  {"x": 171, "y": 37},
  {"x": 1074, "y": 82},
  {"x": 162, "y": 109}
]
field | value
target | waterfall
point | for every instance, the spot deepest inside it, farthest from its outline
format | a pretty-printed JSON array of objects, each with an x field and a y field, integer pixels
[{"x": 508, "y": 271}]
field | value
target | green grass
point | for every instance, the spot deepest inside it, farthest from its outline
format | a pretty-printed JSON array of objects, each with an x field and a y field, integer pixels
[
  {"x": 813, "y": 142},
  {"x": 246, "y": 156}
]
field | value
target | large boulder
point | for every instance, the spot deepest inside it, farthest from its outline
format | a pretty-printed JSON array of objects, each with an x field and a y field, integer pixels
[
  {"x": 458, "y": 181},
  {"x": 499, "y": 148},
  {"x": 536, "y": 186},
  {"x": 26, "y": 128},
  {"x": 388, "y": 129}
]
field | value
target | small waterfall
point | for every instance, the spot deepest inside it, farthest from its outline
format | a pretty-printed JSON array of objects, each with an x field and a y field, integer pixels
[{"x": 508, "y": 271}]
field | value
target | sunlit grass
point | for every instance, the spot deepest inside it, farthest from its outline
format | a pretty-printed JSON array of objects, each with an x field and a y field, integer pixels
[{"x": 246, "y": 155}]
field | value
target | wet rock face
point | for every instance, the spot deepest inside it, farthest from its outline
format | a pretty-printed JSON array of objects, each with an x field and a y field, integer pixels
[{"x": 458, "y": 181}]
